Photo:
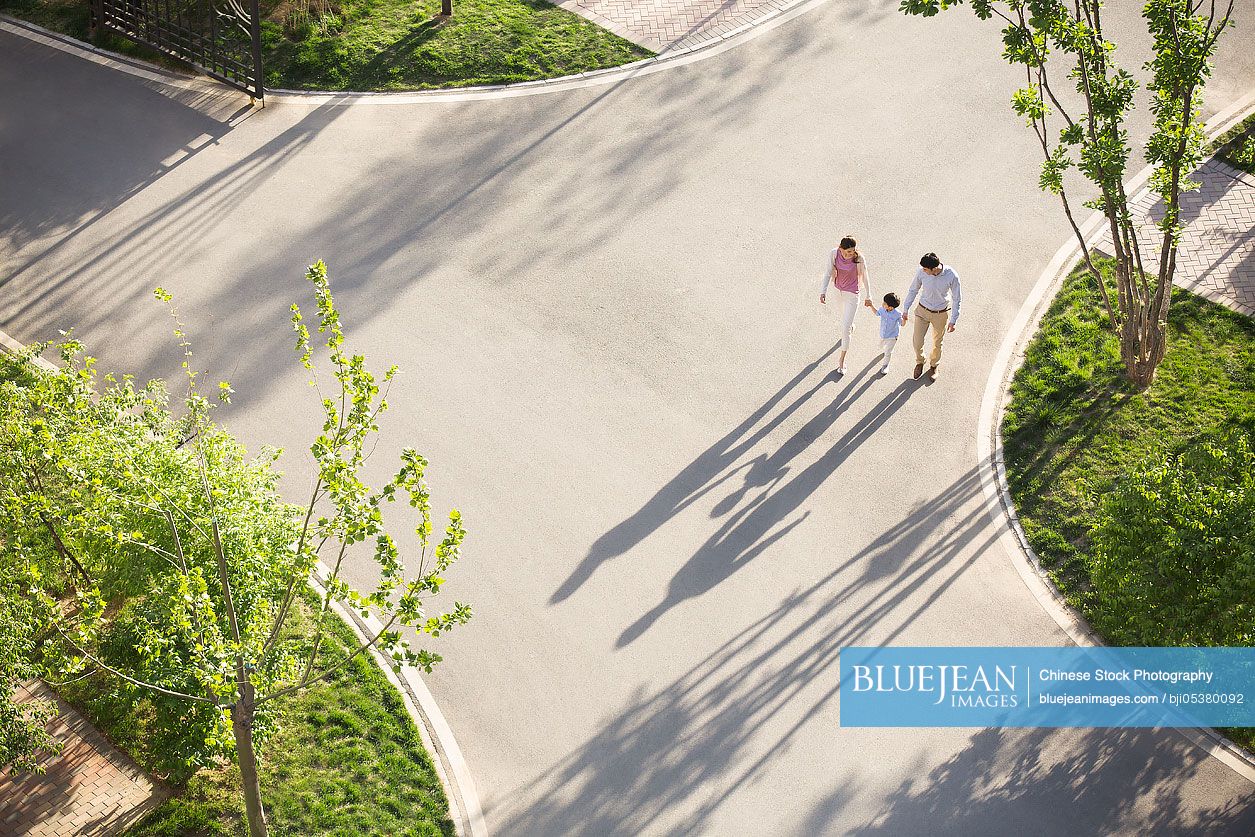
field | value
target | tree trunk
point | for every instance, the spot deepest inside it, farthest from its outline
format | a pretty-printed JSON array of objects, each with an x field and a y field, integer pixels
[
  {"x": 242, "y": 726},
  {"x": 446, "y": 8}
]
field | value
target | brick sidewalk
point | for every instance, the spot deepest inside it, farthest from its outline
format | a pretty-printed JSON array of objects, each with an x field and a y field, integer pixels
[
  {"x": 90, "y": 789},
  {"x": 668, "y": 25},
  {"x": 1216, "y": 259}
]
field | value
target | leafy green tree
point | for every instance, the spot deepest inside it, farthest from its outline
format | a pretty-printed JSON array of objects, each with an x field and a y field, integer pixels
[
  {"x": 1041, "y": 35},
  {"x": 1173, "y": 555},
  {"x": 24, "y": 733},
  {"x": 167, "y": 515}
]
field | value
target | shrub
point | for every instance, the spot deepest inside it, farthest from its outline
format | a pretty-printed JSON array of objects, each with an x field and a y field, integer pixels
[{"x": 1173, "y": 555}]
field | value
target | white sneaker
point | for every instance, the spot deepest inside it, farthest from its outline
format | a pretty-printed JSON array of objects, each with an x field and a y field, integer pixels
[
  {"x": 840, "y": 370},
  {"x": 884, "y": 370}
]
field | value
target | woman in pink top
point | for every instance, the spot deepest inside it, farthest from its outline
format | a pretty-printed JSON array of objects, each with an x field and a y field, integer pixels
[{"x": 846, "y": 270}]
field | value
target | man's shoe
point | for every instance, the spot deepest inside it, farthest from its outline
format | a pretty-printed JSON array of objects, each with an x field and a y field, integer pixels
[
  {"x": 932, "y": 372},
  {"x": 919, "y": 370}
]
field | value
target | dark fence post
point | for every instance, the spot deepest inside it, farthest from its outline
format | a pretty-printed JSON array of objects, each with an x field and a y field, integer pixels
[
  {"x": 261, "y": 80},
  {"x": 95, "y": 18}
]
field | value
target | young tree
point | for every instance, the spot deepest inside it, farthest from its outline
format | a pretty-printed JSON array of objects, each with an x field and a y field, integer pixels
[
  {"x": 211, "y": 561},
  {"x": 1039, "y": 35}
]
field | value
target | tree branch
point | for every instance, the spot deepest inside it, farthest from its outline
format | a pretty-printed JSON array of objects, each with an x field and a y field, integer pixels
[{"x": 142, "y": 684}]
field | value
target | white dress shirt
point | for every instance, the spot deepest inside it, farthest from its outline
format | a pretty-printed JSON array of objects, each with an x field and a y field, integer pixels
[{"x": 932, "y": 292}]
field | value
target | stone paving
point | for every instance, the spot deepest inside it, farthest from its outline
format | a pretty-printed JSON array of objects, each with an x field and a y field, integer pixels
[
  {"x": 671, "y": 25},
  {"x": 90, "y": 789},
  {"x": 1216, "y": 259}
]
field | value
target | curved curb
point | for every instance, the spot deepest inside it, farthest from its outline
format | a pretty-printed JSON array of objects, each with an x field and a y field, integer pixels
[
  {"x": 451, "y": 767},
  {"x": 594, "y": 78},
  {"x": 438, "y": 738},
  {"x": 998, "y": 501}
]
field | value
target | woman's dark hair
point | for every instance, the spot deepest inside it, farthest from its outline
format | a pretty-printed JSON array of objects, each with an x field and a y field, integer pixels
[
  {"x": 929, "y": 261},
  {"x": 848, "y": 243}
]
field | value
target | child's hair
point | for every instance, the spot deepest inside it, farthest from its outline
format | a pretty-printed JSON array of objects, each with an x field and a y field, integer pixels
[
  {"x": 891, "y": 300},
  {"x": 848, "y": 243},
  {"x": 929, "y": 261}
]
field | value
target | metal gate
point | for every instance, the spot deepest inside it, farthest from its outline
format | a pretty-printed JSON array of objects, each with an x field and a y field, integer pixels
[{"x": 220, "y": 37}]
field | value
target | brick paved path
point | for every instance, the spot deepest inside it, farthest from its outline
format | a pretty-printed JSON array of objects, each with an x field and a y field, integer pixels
[
  {"x": 1216, "y": 259},
  {"x": 670, "y": 25},
  {"x": 90, "y": 789}
]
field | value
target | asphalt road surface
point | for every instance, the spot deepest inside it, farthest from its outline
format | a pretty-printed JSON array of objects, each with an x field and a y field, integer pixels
[{"x": 605, "y": 304}]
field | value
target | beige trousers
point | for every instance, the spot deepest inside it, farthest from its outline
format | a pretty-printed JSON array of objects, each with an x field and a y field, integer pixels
[{"x": 924, "y": 319}]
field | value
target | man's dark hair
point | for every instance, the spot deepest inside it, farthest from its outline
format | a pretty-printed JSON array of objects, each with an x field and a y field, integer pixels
[
  {"x": 891, "y": 299},
  {"x": 929, "y": 261}
]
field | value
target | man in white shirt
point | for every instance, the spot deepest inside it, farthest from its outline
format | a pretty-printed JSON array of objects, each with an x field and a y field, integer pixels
[{"x": 937, "y": 287}]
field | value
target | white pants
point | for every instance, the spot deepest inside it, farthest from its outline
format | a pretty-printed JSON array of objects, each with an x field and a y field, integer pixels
[
  {"x": 886, "y": 349},
  {"x": 847, "y": 303}
]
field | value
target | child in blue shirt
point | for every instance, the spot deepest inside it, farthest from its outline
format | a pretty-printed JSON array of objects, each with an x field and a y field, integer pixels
[{"x": 890, "y": 325}]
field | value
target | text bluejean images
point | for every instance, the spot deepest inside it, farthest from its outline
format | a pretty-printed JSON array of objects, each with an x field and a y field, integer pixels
[{"x": 1047, "y": 687}]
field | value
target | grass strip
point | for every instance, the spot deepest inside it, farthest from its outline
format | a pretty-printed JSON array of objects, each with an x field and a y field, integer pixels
[
  {"x": 1074, "y": 426},
  {"x": 1237, "y": 145}
]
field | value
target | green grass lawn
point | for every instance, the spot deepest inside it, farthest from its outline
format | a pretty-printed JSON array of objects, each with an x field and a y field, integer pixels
[
  {"x": 1074, "y": 426},
  {"x": 396, "y": 44},
  {"x": 347, "y": 759},
  {"x": 1237, "y": 146}
]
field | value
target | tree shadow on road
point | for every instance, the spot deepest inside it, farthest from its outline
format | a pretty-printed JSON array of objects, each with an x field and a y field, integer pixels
[
  {"x": 1049, "y": 781},
  {"x": 668, "y": 760},
  {"x": 421, "y": 202},
  {"x": 678, "y": 754},
  {"x": 145, "y": 247},
  {"x": 65, "y": 168}
]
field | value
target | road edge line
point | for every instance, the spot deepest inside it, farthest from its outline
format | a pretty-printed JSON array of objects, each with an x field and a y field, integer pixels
[{"x": 437, "y": 735}]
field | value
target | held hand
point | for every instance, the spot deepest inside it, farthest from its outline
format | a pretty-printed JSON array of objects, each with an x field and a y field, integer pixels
[
  {"x": 823, "y": 298},
  {"x": 950, "y": 327},
  {"x": 904, "y": 319},
  {"x": 868, "y": 303}
]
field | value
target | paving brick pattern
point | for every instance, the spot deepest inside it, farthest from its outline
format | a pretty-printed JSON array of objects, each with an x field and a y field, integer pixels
[
  {"x": 90, "y": 789},
  {"x": 1216, "y": 259},
  {"x": 672, "y": 25}
]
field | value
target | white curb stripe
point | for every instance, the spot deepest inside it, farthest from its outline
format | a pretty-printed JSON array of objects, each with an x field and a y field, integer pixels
[
  {"x": 998, "y": 501},
  {"x": 459, "y": 787}
]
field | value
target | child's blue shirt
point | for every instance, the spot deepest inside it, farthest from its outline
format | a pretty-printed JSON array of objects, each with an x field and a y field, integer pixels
[{"x": 890, "y": 322}]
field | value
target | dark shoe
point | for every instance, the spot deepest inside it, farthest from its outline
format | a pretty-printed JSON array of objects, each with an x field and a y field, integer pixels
[
  {"x": 919, "y": 370},
  {"x": 932, "y": 372}
]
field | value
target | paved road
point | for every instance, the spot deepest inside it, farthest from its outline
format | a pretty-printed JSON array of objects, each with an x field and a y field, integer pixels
[{"x": 604, "y": 301}]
